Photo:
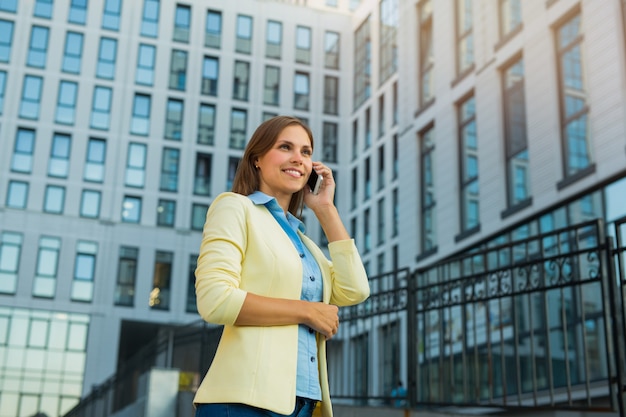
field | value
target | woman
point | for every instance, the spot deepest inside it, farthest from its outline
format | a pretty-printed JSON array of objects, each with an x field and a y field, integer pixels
[{"x": 271, "y": 287}]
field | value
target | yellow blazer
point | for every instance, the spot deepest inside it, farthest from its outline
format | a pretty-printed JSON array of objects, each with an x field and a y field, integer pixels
[{"x": 243, "y": 250}]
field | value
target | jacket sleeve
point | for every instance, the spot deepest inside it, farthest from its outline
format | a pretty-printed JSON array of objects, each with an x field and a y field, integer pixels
[
  {"x": 349, "y": 279},
  {"x": 218, "y": 272}
]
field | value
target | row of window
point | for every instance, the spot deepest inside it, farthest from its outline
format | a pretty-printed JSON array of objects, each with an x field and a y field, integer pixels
[
  {"x": 100, "y": 119},
  {"x": 576, "y": 158},
  {"x": 46, "y": 273},
  {"x": 182, "y": 27}
]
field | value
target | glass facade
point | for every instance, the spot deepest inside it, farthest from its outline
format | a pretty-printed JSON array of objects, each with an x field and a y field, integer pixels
[{"x": 42, "y": 362}]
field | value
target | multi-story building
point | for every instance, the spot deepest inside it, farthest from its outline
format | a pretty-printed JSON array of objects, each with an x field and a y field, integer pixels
[{"x": 451, "y": 125}]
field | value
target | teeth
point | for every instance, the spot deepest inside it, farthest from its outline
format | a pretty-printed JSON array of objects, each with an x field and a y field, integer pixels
[{"x": 293, "y": 172}]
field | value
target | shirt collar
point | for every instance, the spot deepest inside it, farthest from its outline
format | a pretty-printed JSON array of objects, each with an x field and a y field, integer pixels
[{"x": 260, "y": 198}]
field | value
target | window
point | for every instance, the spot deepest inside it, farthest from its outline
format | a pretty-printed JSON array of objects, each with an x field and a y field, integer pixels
[
  {"x": 3, "y": 85},
  {"x": 126, "y": 276},
  {"x": 428, "y": 200},
  {"x": 380, "y": 229},
  {"x": 174, "y": 119},
  {"x": 395, "y": 157},
  {"x": 54, "y": 199},
  {"x": 166, "y": 213},
  {"x": 244, "y": 34},
  {"x": 426, "y": 54},
  {"x": 241, "y": 80},
  {"x": 301, "y": 91},
  {"x": 84, "y": 271},
  {"x": 367, "y": 180},
  {"x": 388, "y": 46},
  {"x": 573, "y": 96},
  {"x": 202, "y": 178},
  {"x": 518, "y": 181},
  {"x": 210, "y": 74},
  {"x": 94, "y": 160},
  {"x": 331, "y": 95},
  {"x": 111, "y": 15},
  {"x": 78, "y": 12},
  {"x": 145, "y": 65},
  {"x": 233, "y": 162},
  {"x": 363, "y": 62},
  {"x": 238, "y": 122},
  {"x": 381, "y": 115},
  {"x": 355, "y": 185},
  {"x": 38, "y": 47},
  {"x": 169, "y": 169},
  {"x": 10, "y": 250},
  {"x": 31, "y": 97},
  {"x": 101, "y": 108},
  {"x": 59, "y": 162},
  {"x": 303, "y": 45},
  {"x": 23, "y": 152},
  {"x": 464, "y": 36},
  {"x": 66, "y": 102},
  {"x": 17, "y": 195},
  {"x": 44, "y": 284},
  {"x": 140, "y": 123},
  {"x": 136, "y": 165},
  {"x": 206, "y": 124},
  {"x": 381, "y": 166},
  {"x": 367, "y": 236},
  {"x": 394, "y": 110},
  {"x": 178, "y": 70},
  {"x": 6, "y": 28},
  {"x": 72, "y": 55},
  {"x": 198, "y": 215},
  {"x": 43, "y": 8},
  {"x": 274, "y": 39},
  {"x": 395, "y": 219},
  {"x": 131, "y": 209},
  {"x": 161, "y": 280},
  {"x": 213, "y": 29},
  {"x": 331, "y": 50},
  {"x": 106, "y": 58},
  {"x": 368, "y": 128},
  {"x": 90, "y": 204},
  {"x": 8, "y": 6},
  {"x": 355, "y": 138},
  {"x": 182, "y": 22},
  {"x": 271, "y": 92},
  {"x": 150, "y": 19},
  {"x": 510, "y": 17},
  {"x": 330, "y": 142},
  {"x": 469, "y": 165},
  {"x": 191, "y": 306}
]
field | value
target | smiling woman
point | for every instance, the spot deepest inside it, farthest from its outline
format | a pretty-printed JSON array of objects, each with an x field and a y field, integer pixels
[{"x": 277, "y": 299}]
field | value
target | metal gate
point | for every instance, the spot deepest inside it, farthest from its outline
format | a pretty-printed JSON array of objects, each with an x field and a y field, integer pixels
[{"x": 537, "y": 322}]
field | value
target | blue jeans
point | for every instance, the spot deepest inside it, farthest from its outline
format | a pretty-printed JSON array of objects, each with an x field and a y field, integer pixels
[{"x": 304, "y": 408}]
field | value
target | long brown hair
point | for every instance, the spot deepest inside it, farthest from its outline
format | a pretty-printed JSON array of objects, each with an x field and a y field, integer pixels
[{"x": 264, "y": 137}]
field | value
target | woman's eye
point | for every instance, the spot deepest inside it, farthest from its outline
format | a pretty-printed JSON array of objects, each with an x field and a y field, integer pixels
[{"x": 284, "y": 146}]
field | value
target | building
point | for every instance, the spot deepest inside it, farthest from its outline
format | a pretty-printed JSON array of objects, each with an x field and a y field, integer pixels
[{"x": 451, "y": 125}]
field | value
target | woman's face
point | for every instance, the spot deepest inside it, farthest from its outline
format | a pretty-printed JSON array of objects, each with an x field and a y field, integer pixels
[{"x": 284, "y": 169}]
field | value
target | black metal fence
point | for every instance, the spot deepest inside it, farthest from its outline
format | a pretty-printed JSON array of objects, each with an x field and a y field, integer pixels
[
  {"x": 538, "y": 322},
  {"x": 532, "y": 323}
]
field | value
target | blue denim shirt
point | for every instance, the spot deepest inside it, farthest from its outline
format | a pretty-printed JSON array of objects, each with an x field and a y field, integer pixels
[{"x": 307, "y": 382}]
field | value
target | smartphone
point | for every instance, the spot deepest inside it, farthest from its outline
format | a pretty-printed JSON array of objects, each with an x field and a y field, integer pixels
[{"x": 315, "y": 182}]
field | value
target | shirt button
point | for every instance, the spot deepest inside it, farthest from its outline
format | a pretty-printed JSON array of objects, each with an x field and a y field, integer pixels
[
  {"x": 302, "y": 255},
  {"x": 312, "y": 358},
  {"x": 311, "y": 330},
  {"x": 312, "y": 278}
]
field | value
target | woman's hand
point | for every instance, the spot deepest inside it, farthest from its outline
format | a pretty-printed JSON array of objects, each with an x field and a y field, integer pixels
[
  {"x": 326, "y": 196},
  {"x": 323, "y": 318}
]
